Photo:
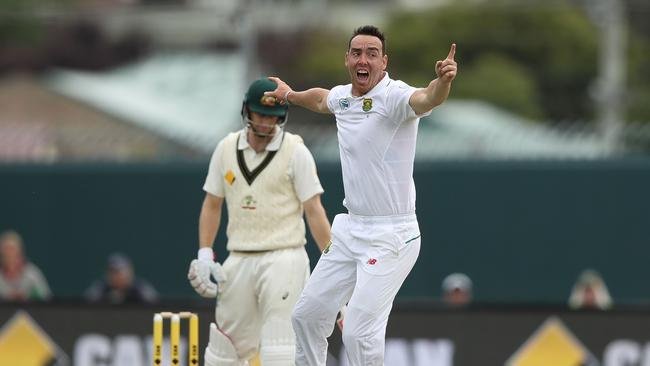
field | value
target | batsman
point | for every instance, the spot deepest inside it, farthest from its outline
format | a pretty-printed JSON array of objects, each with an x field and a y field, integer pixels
[{"x": 268, "y": 179}]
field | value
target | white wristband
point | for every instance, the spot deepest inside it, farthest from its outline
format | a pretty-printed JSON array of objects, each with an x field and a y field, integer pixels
[
  {"x": 286, "y": 97},
  {"x": 206, "y": 254}
]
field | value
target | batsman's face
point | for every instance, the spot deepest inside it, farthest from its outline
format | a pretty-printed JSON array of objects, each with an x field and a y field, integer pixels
[
  {"x": 263, "y": 123},
  {"x": 366, "y": 63}
]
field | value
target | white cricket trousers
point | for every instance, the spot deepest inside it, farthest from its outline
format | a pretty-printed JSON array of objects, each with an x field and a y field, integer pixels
[
  {"x": 365, "y": 265},
  {"x": 255, "y": 305}
]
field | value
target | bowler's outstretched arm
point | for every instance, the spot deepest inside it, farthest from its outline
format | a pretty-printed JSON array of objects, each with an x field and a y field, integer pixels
[{"x": 314, "y": 99}]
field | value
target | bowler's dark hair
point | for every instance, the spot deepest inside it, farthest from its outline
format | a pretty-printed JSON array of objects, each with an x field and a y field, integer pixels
[{"x": 370, "y": 30}]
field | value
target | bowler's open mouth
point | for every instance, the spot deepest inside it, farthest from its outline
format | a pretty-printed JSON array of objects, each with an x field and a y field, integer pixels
[{"x": 363, "y": 75}]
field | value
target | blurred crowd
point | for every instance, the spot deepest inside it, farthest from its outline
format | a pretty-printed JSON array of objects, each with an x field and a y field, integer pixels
[
  {"x": 21, "y": 280},
  {"x": 588, "y": 292}
]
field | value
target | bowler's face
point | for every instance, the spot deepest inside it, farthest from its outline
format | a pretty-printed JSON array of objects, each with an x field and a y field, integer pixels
[{"x": 365, "y": 62}]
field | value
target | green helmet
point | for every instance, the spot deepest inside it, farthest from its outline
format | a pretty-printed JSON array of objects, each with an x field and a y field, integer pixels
[{"x": 257, "y": 102}]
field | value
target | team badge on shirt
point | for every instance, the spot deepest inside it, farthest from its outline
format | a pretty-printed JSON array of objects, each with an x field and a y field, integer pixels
[
  {"x": 344, "y": 103},
  {"x": 248, "y": 203},
  {"x": 367, "y": 104},
  {"x": 229, "y": 177}
]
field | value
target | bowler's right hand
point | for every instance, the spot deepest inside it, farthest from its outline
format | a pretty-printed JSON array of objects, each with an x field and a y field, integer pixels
[
  {"x": 281, "y": 93},
  {"x": 199, "y": 276}
]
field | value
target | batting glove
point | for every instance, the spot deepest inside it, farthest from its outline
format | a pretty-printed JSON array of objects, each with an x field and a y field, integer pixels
[{"x": 199, "y": 276}]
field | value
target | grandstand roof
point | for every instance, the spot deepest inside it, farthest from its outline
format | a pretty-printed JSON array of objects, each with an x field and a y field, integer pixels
[
  {"x": 193, "y": 98},
  {"x": 37, "y": 125}
]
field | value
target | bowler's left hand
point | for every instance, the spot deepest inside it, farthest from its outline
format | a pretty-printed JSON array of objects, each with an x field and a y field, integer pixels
[{"x": 446, "y": 69}]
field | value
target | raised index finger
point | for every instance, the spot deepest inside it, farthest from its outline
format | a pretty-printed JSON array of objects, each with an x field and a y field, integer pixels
[{"x": 452, "y": 52}]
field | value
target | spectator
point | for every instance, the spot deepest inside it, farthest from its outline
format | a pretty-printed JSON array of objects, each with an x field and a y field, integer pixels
[
  {"x": 590, "y": 292},
  {"x": 120, "y": 284},
  {"x": 20, "y": 280},
  {"x": 457, "y": 290}
]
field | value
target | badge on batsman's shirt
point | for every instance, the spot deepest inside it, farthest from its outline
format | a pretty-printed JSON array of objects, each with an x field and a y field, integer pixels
[
  {"x": 367, "y": 104},
  {"x": 248, "y": 203},
  {"x": 229, "y": 177}
]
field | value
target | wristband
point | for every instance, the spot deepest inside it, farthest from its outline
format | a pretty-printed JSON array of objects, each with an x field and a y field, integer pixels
[
  {"x": 206, "y": 254},
  {"x": 286, "y": 97}
]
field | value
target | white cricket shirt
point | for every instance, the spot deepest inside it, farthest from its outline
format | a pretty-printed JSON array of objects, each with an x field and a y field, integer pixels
[
  {"x": 302, "y": 167},
  {"x": 377, "y": 134}
]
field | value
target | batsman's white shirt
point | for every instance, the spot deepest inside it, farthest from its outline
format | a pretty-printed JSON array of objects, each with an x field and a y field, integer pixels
[
  {"x": 270, "y": 198},
  {"x": 302, "y": 168},
  {"x": 377, "y": 133}
]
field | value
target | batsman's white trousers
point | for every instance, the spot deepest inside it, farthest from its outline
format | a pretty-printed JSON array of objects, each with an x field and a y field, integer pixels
[
  {"x": 365, "y": 265},
  {"x": 255, "y": 304}
]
